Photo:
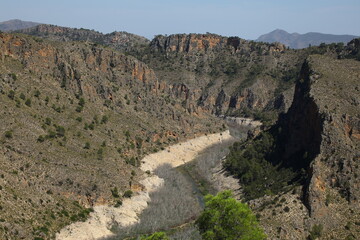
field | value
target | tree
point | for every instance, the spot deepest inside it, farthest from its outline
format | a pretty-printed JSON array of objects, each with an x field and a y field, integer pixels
[
  {"x": 156, "y": 236},
  {"x": 227, "y": 219}
]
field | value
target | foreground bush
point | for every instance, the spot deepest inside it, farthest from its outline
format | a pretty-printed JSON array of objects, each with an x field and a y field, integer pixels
[
  {"x": 157, "y": 236},
  {"x": 227, "y": 219}
]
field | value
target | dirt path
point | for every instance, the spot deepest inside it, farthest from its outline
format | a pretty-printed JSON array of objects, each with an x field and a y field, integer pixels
[{"x": 100, "y": 221}]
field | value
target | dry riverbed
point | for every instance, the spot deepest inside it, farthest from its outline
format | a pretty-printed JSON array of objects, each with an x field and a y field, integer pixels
[{"x": 103, "y": 218}]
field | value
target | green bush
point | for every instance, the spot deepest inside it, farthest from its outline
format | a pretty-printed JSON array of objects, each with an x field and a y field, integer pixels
[
  {"x": 22, "y": 96},
  {"x": 128, "y": 194},
  {"x": 315, "y": 232},
  {"x": 11, "y": 94},
  {"x": 156, "y": 236},
  {"x": 104, "y": 119},
  {"x": 115, "y": 192},
  {"x": 100, "y": 154},
  {"x": 9, "y": 134},
  {"x": 60, "y": 131},
  {"x": 28, "y": 102},
  {"x": 118, "y": 203},
  {"x": 41, "y": 138},
  {"x": 87, "y": 145},
  {"x": 37, "y": 93},
  {"x": 48, "y": 121},
  {"x": 13, "y": 76},
  {"x": 226, "y": 218}
]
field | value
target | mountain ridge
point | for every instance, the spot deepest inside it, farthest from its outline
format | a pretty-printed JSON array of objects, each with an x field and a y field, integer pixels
[{"x": 297, "y": 41}]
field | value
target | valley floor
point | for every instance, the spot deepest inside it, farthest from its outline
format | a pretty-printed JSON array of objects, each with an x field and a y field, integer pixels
[{"x": 104, "y": 218}]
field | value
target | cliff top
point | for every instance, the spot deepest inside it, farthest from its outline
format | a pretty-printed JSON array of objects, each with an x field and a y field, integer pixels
[{"x": 335, "y": 84}]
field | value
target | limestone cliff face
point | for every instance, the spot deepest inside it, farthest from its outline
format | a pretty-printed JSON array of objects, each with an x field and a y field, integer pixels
[
  {"x": 322, "y": 135},
  {"x": 191, "y": 43},
  {"x": 71, "y": 64},
  {"x": 188, "y": 42},
  {"x": 223, "y": 74}
]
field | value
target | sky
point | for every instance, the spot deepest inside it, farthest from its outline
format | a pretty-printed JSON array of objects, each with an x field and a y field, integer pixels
[{"x": 244, "y": 18}]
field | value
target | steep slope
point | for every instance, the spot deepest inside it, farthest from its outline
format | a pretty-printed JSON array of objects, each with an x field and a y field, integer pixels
[
  {"x": 324, "y": 124},
  {"x": 121, "y": 41},
  {"x": 318, "y": 141},
  {"x": 298, "y": 41},
  {"x": 76, "y": 119},
  {"x": 16, "y": 24},
  {"x": 212, "y": 73}
]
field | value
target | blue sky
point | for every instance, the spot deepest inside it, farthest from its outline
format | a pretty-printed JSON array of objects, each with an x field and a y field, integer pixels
[{"x": 244, "y": 18}]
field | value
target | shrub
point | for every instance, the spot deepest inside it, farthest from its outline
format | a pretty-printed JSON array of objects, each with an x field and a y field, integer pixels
[
  {"x": 79, "y": 108},
  {"x": 41, "y": 138},
  {"x": 226, "y": 218},
  {"x": 115, "y": 192},
  {"x": 315, "y": 232},
  {"x": 28, "y": 102},
  {"x": 156, "y": 236},
  {"x": 100, "y": 154},
  {"x": 48, "y": 121},
  {"x": 9, "y": 134},
  {"x": 104, "y": 119},
  {"x": 13, "y": 76},
  {"x": 22, "y": 96},
  {"x": 51, "y": 134},
  {"x": 87, "y": 145},
  {"x": 118, "y": 203},
  {"x": 128, "y": 194},
  {"x": 81, "y": 102},
  {"x": 37, "y": 93},
  {"x": 60, "y": 131},
  {"x": 11, "y": 94},
  {"x": 79, "y": 119}
]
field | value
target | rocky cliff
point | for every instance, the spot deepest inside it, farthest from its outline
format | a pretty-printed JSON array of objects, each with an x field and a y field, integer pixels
[
  {"x": 320, "y": 135},
  {"x": 225, "y": 74},
  {"x": 333, "y": 87}
]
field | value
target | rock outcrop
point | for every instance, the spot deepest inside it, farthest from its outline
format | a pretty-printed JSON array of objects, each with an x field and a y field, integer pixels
[{"x": 320, "y": 133}]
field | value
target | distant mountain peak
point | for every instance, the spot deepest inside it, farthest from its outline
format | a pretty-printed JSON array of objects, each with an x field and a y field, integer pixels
[
  {"x": 296, "y": 40},
  {"x": 16, "y": 24}
]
